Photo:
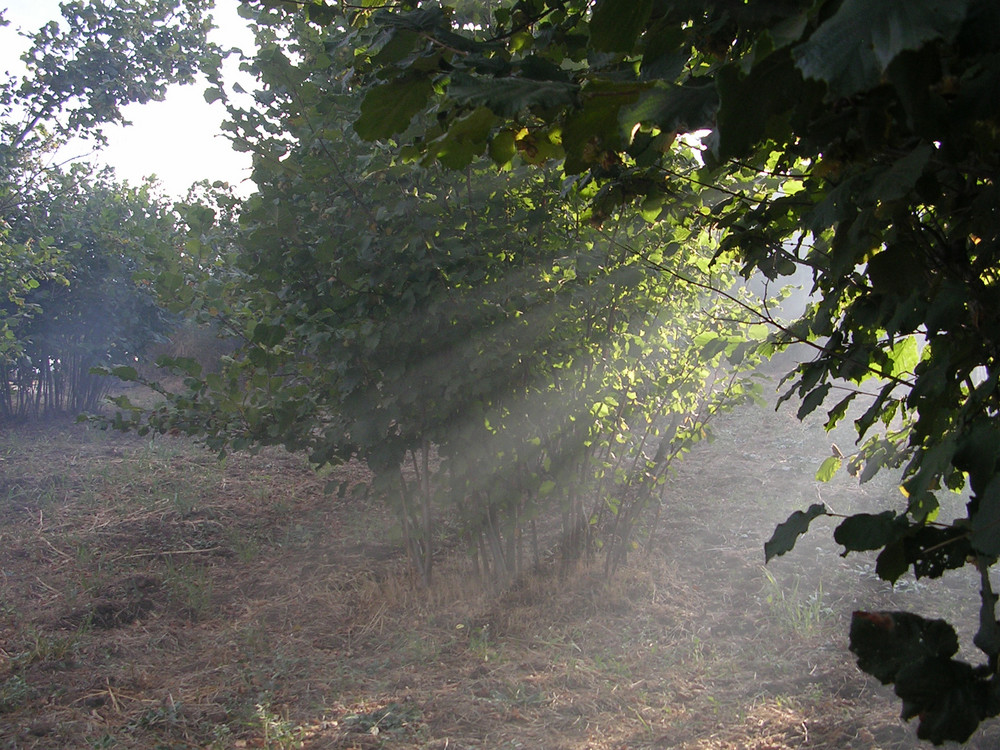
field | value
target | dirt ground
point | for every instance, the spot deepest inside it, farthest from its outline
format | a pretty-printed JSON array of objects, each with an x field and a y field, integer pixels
[{"x": 153, "y": 597}]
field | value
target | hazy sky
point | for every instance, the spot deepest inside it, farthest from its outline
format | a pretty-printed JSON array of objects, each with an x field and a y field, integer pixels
[{"x": 177, "y": 139}]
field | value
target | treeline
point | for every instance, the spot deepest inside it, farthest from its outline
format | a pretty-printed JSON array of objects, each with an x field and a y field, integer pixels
[{"x": 73, "y": 239}]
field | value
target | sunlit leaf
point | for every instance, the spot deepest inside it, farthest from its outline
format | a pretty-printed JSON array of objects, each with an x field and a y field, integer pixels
[{"x": 829, "y": 467}]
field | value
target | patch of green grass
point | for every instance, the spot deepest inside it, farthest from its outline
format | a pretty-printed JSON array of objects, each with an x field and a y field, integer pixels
[
  {"x": 803, "y": 615},
  {"x": 169, "y": 714},
  {"x": 393, "y": 718},
  {"x": 482, "y": 645},
  {"x": 244, "y": 544},
  {"x": 14, "y": 692},
  {"x": 48, "y": 648},
  {"x": 104, "y": 742},
  {"x": 520, "y": 695},
  {"x": 278, "y": 731},
  {"x": 189, "y": 589}
]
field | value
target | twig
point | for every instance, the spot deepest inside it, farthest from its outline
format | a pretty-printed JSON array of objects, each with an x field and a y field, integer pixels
[
  {"x": 54, "y": 548},
  {"x": 154, "y": 553}
]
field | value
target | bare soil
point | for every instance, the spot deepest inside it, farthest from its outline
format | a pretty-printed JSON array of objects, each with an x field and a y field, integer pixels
[{"x": 153, "y": 597}]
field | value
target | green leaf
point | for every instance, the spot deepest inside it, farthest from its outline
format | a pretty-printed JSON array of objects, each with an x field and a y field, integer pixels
[
  {"x": 787, "y": 533},
  {"x": 464, "y": 140},
  {"x": 904, "y": 356},
  {"x": 851, "y": 50},
  {"x": 673, "y": 109},
  {"x": 388, "y": 109},
  {"x": 502, "y": 148},
  {"x": 616, "y": 24},
  {"x": 593, "y": 129},
  {"x": 829, "y": 467},
  {"x": 508, "y": 97}
]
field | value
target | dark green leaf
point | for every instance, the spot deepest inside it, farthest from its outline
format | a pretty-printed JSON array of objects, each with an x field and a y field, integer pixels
[
  {"x": 885, "y": 642},
  {"x": 947, "y": 696},
  {"x": 508, "y": 97},
  {"x": 616, "y": 24},
  {"x": 320, "y": 13},
  {"x": 813, "y": 400},
  {"x": 865, "y": 531},
  {"x": 748, "y": 102},
  {"x": 985, "y": 520},
  {"x": 787, "y": 533},
  {"x": 892, "y": 562},
  {"x": 837, "y": 412},
  {"x": 389, "y": 108},
  {"x": 851, "y": 49},
  {"x": 125, "y": 372},
  {"x": 932, "y": 550}
]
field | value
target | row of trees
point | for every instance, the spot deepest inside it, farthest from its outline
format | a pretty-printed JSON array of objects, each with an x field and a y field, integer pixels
[
  {"x": 71, "y": 237},
  {"x": 482, "y": 345},
  {"x": 482, "y": 247}
]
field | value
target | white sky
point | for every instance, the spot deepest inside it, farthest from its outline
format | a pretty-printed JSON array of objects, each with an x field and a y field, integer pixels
[{"x": 177, "y": 139}]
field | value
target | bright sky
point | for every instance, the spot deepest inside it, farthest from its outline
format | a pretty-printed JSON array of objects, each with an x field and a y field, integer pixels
[{"x": 177, "y": 139}]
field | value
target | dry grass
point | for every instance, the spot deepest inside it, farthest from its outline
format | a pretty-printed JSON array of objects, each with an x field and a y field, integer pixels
[{"x": 155, "y": 598}]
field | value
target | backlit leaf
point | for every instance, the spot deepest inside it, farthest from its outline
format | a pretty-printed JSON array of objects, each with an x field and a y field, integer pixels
[{"x": 829, "y": 467}]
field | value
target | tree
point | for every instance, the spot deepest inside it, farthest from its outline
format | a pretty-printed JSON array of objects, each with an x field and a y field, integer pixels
[
  {"x": 856, "y": 139},
  {"x": 102, "y": 56},
  {"x": 484, "y": 348}
]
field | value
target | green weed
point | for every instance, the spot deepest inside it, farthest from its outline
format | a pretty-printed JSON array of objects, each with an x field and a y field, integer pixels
[
  {"x": 48, "y": 648},
  {"x": 14, "y": 692},
  {"x": 189, "y": 589},
  {"x": 278, "y": 730},
  {"x": 244, "y": 545},
  {"x": 802, "y": 615}
]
